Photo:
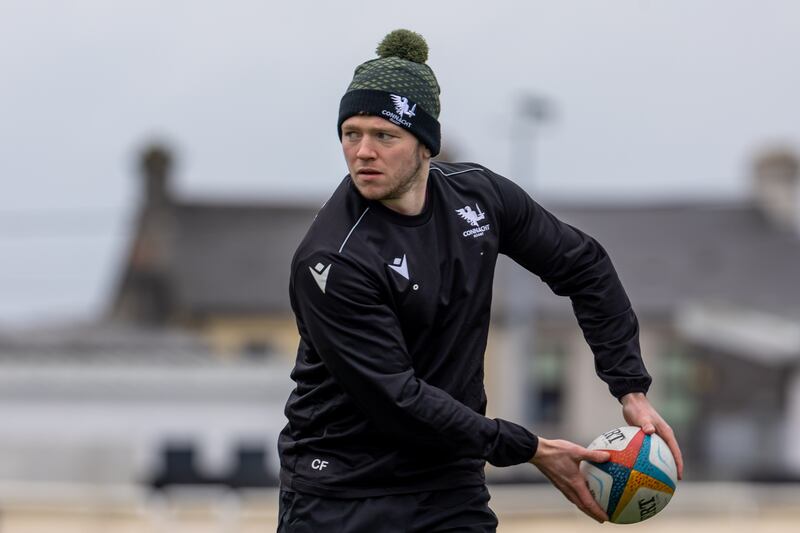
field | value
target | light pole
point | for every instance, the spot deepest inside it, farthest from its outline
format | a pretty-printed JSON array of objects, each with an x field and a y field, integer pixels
[{"x": 531, "y": 111}]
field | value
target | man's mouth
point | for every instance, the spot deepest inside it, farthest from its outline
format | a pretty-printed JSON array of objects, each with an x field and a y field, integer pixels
[{"x": 368, "y": 173}]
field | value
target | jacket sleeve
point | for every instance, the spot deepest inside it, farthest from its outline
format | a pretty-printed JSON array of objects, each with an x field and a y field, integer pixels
[
  {"x": 358, "y": 338},
  {"x": 573, "y": 264}
]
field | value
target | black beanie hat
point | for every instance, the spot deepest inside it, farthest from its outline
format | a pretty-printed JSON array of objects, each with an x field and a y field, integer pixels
[{"x": 399, "y": 87}]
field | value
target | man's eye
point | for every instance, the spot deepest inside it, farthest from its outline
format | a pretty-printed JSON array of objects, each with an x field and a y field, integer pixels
[
  {"x": 350, "y": 135},
  {"x": 384, "y": 136}
]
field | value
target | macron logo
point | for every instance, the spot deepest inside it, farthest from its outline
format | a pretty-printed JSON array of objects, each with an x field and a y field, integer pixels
[
  {"x": 320, "y": 273},
  {"x": 400, "y": 266}
]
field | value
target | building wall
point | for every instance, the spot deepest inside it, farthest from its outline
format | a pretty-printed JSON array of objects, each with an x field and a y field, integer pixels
[
  {"x": 239, "y": 334},
  {"x": 587, "y": 407},
  {"x": 110, "y": 422}
]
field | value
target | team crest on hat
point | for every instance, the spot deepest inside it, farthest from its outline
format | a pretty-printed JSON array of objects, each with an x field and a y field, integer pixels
[{"x": 401, "y": 106}]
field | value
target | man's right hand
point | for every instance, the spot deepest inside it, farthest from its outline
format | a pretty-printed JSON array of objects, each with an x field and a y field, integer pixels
[{"x": 559, "y": 460}]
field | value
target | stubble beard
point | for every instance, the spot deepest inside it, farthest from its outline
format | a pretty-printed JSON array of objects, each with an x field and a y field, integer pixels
[{"x": 406, "y": 183}]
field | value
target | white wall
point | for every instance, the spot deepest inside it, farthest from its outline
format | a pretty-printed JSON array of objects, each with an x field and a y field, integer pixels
[{"x": 108, "y": 423}]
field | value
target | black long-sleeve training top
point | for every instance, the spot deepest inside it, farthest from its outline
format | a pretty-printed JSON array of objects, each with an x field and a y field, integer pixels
[{"x": 393, "y": 314}]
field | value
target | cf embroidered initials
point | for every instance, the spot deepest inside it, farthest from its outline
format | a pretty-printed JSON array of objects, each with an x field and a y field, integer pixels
[{"x": 319, "y": 464}]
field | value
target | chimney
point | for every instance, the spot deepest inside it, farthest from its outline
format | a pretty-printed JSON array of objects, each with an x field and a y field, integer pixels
[
  {"x": 155, "y": 163},
  {"x": 777, "y": 188}
]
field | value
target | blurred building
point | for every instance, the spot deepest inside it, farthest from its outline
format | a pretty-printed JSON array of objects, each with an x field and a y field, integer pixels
[
  {"x": 189, "y": 369},
  {"x": 111, "y": 404},
  {"x": 216, "y": 269},
  {"x": 715, "y": 288},
  {"x": 183, "y": 381}
]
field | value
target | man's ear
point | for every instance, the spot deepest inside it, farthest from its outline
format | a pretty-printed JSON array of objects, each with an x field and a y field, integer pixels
[{"x": 426, "y": 152}]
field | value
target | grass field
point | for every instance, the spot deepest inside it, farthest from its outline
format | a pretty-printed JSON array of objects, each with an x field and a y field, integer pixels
[{"x": 698, "y": 508}]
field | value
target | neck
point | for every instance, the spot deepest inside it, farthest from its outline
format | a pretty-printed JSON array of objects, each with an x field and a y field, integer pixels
[{"x": 412, "y": 201}]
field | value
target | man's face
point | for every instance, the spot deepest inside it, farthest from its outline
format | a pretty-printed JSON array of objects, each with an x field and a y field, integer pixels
[{"x": 385, "y": 161}]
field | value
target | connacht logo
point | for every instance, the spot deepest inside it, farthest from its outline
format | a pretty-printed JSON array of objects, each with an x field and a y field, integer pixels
[
  {"x": 401, "y": 106},
  {"x": 320, "y": 273},
  {"x": 473, "y": 217}
]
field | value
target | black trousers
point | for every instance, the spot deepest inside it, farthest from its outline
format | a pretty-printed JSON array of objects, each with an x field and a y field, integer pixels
[{"x": 459, "y": 510}]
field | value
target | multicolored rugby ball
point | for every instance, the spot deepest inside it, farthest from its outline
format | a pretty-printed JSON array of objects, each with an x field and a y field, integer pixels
[{"x": 639, "y": 479}]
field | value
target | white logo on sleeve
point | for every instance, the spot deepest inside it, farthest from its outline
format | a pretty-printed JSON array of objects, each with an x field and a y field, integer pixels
[
  {"x": 400, "y": 266},
  {"x": 473, "y": 217},
  {"x": 320, "y": 273}
]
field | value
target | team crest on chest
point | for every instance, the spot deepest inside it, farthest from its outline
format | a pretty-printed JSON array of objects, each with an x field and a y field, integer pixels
[{"x": 474, "y": 217}]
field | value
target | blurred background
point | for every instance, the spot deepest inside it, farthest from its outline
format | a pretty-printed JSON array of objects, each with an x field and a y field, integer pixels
[{"x": 160, "y": 161}]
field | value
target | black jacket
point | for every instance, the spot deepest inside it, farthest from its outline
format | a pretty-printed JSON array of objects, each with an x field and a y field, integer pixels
[{"x": 393, "y": 314}]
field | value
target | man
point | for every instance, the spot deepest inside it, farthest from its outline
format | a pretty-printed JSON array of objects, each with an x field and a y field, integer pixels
[{"x": 391, "y": 288}]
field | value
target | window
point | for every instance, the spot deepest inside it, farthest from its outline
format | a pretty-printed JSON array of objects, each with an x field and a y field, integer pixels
[{"x": 546, "y": 394}]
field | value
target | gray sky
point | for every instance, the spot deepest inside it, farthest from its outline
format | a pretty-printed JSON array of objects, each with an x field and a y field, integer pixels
[{"x": 654, "y": 100}]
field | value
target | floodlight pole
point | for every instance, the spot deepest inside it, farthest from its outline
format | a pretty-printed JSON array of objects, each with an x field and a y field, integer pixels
[{"x": 531, "y": 111}]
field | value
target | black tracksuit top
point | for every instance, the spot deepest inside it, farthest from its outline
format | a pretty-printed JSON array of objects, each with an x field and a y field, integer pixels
[{"x": 393, "y": 314}]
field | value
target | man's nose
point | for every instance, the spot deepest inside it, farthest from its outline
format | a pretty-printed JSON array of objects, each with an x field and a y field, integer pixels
[{"x": 365, "y": 149}]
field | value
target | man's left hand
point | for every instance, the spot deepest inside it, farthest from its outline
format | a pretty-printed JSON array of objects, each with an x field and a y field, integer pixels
[{"x": 637, "y": 411}]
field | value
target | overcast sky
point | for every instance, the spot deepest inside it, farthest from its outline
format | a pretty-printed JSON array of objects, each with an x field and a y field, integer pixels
[{"x": 652, "y": 100}]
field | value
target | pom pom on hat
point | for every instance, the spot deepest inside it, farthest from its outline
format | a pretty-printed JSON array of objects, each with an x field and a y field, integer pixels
[{"x": 404, "y": 44}]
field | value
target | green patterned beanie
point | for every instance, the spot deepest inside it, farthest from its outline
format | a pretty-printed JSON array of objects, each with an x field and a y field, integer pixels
[{"x": 399, "y": 87}]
